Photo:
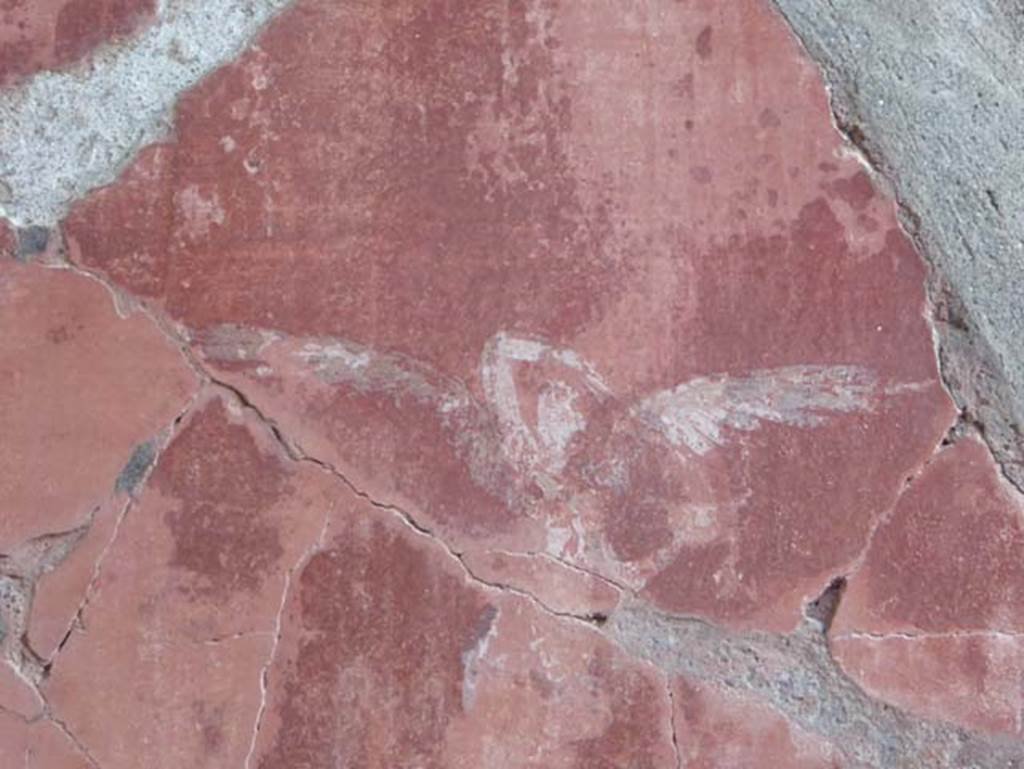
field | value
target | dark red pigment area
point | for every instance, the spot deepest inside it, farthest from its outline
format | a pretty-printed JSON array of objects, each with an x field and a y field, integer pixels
[
  {"x": 225, "y": 488},
  {"x": 359, "y": 198},
  {"x": 805, "y": 295},
  {"x": 379, "y": 636},
  {"x": 412, "y": 449}
]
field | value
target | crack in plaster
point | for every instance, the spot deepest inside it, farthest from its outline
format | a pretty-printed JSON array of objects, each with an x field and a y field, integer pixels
[
  {"x": 34, "y": 152},
  {"x": 296, "y": 454},
  {"x": 45, "y": 553},
  {"x": 619, "y": 587},
  {"x": 794, "y": 673},
  {"x": 858, "y": 635},
  {"x": 277, "y": 633},
  {"x": 65, "y": 133},
  {"x": 18, "y": 716},
  {"x": 125, "y": 304},
  {"x": 672, "y": 719},
  {"x": 159, "y": 444},
  {"x": 853, "y": 568},
  {"x": 20, "y": 570},
  {"x": 70, "y": 735}
]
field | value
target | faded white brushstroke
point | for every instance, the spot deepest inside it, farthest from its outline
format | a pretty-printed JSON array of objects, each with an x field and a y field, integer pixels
[
  {"x": 558, "y": 422},
  {"x": 511, "y": 455},
  {"x": 497, "y": 375},
  {"x": 65, "y": 133},
  {"x": 334, "y": 355},
  {"x": 541, "y": 447},
  {"x": 696, "y": 414},
  {"x": 341, "y": 361},
  {"x": 472, "y": 658},
  {"x": 468, "y": 422}
]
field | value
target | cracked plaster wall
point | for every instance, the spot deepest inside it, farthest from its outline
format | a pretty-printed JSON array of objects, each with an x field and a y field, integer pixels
[
  {"x": 929, "y": 92},
  {"x": 559, "y": 549}
]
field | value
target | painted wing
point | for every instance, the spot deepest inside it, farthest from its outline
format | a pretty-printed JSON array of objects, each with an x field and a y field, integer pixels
[{"x": 699, "y": 413}]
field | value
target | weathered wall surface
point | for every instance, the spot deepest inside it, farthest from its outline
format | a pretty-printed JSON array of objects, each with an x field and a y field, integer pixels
[
  {"x": 512, "y": 384},
  {"x": 40, "y": 35},
  {"x": 930, "y": 92}
]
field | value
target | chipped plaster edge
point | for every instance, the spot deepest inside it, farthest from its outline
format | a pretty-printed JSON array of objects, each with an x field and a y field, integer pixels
[
  {"x": 970, "y": 368},
  {"x": 64, "y": 133}
]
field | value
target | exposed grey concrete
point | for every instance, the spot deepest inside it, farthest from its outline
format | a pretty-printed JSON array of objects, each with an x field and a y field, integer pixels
[
  {"x": 796, "y": 674},
  {"x": 65, "y": 133},
  {"x": 932, "y": 91}
]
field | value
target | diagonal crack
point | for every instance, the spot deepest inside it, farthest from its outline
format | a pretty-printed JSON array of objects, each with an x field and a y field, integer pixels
[
  {"x": 278, "y": 631},
  {"x": 793, "y": 673},
  {"x": 77, "y": 743},
  {"x": 672, "y": 719},
  {"x": 140, "y": 476},
  {"x": 620, "y": 587},
  {"x": 20, "y": 570},
  {"x": 296, "y": 454},
  {"x": 881, "y": 519}
]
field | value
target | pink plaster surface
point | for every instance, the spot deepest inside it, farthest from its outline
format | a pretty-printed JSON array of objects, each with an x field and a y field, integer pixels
[
  {"x": 974, "y": 680},
  {"x": 80, "y": 388},
  {"x": 451, "y": 327}
]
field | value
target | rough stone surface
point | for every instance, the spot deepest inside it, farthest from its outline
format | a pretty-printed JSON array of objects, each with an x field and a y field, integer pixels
[
  {"x": 931, "y": 92},
  {"x": 500, "y": 384}
]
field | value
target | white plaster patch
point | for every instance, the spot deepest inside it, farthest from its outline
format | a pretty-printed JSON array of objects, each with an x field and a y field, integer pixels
[
  {"x": 558, "y": 538},
  {"x": 199, "y": 212}
]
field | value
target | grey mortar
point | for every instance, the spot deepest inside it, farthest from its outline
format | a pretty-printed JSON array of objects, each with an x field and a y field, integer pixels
[
  {"x": 932, "y": 91},
  {"x": 65, "y": 133},
  {"x": 796, "y": 675}
]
